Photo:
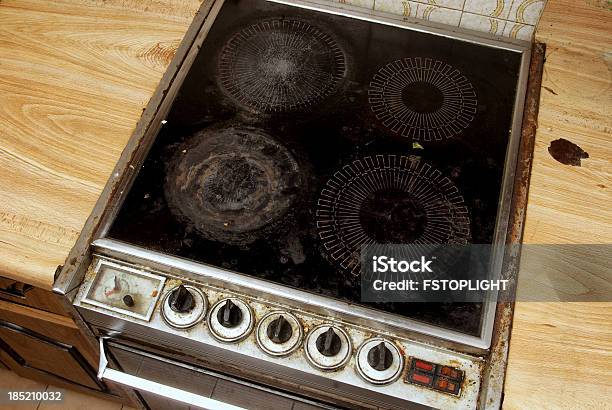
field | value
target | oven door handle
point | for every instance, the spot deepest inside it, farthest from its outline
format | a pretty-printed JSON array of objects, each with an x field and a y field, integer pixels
[{"x": 172, "y": 393}]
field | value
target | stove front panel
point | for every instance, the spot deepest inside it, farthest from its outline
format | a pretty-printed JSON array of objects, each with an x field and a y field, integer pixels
[{"x": 419, "y": 374}]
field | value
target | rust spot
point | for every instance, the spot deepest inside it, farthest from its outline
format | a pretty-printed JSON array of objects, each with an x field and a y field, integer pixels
[
  {"x": 567, "y": 152},
  {"x": 72, "y": 260},
  {"x": 602, "y": 186}
]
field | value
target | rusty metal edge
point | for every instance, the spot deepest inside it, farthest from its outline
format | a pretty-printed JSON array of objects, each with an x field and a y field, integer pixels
[{"x": 493, "y": 377}]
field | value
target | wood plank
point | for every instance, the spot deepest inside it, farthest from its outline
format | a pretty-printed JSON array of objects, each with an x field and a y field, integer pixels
[
  {"x": 60, "y": 328},
  {"x": 74, "y": 78},
  {"x": 560, "y": 353},
  {"x": 23, "y": 294}
]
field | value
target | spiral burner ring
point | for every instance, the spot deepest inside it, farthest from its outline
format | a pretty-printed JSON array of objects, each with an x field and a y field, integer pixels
[
  {"x": 422, "y": 99},
  {"x": 232, "y": 183},
  {"x": 388, "y": 199},
  {"x": 280, "y": 65}
]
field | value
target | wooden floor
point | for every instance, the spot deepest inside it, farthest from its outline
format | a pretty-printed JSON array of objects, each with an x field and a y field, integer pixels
[{"x": 72, "y": 400}]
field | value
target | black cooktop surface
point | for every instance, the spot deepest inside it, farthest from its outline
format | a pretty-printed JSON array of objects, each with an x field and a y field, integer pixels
[{"x": 298, "y": 136}]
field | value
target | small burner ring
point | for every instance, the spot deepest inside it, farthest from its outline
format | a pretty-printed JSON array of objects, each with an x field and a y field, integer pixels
[
  {"x": 388, "y": 199},
  {"x": 280, "y": 65},
  {"x": 231, "y": 183},
  {"x": 422, "y": 99}
]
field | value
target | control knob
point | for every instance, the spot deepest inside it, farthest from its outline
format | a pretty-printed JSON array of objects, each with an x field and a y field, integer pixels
[
  {"x": 128, "y": 300},
  {"x": 184, "y": 306},
  {"x": 229, "y": 315},
  {"x": 181, "y": 300},
  {"x": 329, "y": 343},
  {"x": 328, "y": 347},
  {"x": 279, "y": 333},
  {"x": 279, "y": 330},
  {"x": 231, "y": 320},
  {"x": 380, "y": 357},
  {"x": 379, "y": 361}
]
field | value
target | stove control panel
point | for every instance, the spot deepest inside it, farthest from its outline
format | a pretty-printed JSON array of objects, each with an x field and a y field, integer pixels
[{"x": 293, "y": 338}]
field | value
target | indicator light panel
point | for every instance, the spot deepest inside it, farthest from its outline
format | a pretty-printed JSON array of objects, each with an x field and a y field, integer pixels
[{"x": 446, "y": 379}]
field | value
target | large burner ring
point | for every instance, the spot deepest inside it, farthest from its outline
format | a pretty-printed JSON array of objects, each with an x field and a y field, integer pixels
[
  {"x": 422, "y": 99},
  {"x": 388, "y": 199},
  {"x": 231, "y": 184},
  {"x": 280, "y": 65}
]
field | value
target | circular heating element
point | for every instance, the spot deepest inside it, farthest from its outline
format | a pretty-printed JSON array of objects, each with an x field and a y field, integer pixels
[
  {"x": 280, "y": 65},
  {"x": 388, "y": 199},
  {"x": 422, "y": 99},
  {"x": 232, "y": 183}
]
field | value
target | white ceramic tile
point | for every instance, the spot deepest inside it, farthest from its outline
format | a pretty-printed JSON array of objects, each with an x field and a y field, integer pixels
[
  {"x": 483, "y": 23},
  {"x": 527, "y": 11},
  {"x": 519, "y": 31},
  {"x": 492, "y": 8},
  {"x": 367, "y": 4},
  {"x": 402, "y": 8},
  {"x": 451, "y": 4},
  {"x": 439, "y": 14}
]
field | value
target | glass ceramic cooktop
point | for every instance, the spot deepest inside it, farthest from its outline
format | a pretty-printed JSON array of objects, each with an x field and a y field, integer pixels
[{"x": 298, "y": 136}]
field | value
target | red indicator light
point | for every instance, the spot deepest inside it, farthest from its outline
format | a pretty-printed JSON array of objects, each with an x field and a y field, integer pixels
[
  {"x": 450, "y": 372},
  {"x": 421, "y": 379},
  {"x": 445, "y": 385},
  {"x": 447, "y": 379},
  {"x": 424, "y": 366}
]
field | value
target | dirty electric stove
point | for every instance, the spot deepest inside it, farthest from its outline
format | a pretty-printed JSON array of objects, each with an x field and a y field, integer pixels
[{"x": 299, "y": 133}]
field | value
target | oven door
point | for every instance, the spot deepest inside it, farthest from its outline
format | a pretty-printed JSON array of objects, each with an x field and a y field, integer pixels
[{"x": 164, "y": 383}]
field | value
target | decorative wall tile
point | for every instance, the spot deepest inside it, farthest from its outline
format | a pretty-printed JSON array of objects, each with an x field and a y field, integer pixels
[
  {"x": 451, "y": 4},
  {"x": 526, "y": 11},
  {"x": 519, "y": 31},
  {"x": 439, "y": 14},
  {"x": 510, "y": 18},
  {"x": 499, "y": 9},
  {"x": 403, "y": 8},
  {"x": 483, "y": 23}
]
